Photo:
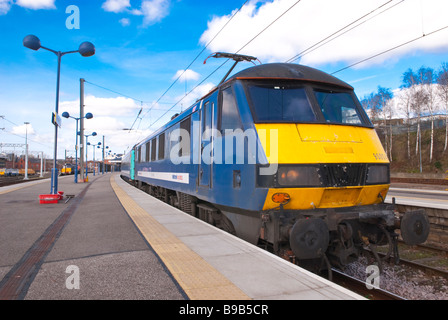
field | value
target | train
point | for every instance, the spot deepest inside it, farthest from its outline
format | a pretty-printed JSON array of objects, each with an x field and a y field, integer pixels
[
  {"x": 283, "y": 156},
  {"x": 68, "y": 169}
]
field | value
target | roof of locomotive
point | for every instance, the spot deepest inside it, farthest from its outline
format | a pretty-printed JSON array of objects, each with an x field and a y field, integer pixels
[
  {"x": 289, "y": 71},
  {"x": 280, "y": 71}
]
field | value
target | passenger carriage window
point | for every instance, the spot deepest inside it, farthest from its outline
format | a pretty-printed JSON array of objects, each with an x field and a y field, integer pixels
[
  {"x": 162, "y": 146},
  {"x": 139, "y": 154},
  {"x": 280, "y": 102},
  {"x": 153, "y": 149},
  {"x": 229, "y": 114}
]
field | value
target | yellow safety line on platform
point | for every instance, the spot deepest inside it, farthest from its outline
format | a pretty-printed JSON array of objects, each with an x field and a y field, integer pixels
[{"x": 198, "y": 278}]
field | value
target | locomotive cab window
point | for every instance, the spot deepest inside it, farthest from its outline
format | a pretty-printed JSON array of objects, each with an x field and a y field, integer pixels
[
  {"x": 229, "y": 114},
  {"x": 338, "y": 107},
  {"x": 280, "y": 102}
]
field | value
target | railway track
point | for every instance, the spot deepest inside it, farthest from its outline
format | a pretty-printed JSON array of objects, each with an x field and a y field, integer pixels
[
  {"x": 412, "y": 278},
  {"x": 360, "y": 287},
  {"x": 7, "y": 181},
  {"x": 431, "y": 260}
]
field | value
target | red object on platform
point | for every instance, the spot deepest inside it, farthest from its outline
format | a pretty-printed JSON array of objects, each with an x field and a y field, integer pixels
[{"x": 49, "y": 198}]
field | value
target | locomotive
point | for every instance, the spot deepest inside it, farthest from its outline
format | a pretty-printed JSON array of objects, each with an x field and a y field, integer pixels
[
  {"x": 68, "y": 169},
  {"x": 282, "y": 156}
]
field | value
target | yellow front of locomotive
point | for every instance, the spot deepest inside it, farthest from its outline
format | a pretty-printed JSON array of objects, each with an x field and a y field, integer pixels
[
  {"x": 327, "y": 151},
  {"x": 325, "y": 165}
]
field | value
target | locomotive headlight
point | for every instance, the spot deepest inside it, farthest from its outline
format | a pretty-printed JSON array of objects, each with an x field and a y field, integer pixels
[
  {"x": 291, "y": 176},
  {"x": 378, "y": 174},
  {"x": 299, "y": 176}
]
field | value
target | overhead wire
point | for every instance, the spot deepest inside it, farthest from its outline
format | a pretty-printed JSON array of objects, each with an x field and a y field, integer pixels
[
  {"x": 269, "y": 25},
  {"x": 194, "y": 60},
  {"x": 337, "y": 34},
  {"x": 391, "y": 49},
  {"x": 18, "y": 135},
  {"x": 256, "y": 36}
]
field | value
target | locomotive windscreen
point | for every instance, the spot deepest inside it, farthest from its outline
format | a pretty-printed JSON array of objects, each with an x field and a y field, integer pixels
[
  {"x": 338, "y": 107},
  {"x": 293, "y": 102},
  {"x": 274, "y": 102}
]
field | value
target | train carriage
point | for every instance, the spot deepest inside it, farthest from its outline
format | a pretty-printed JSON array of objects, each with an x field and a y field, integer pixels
[{"x": 281, "y": 155}]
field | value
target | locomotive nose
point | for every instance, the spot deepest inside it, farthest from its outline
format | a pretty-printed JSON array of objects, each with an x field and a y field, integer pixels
[
  {"x": 414, "y": 227},
  {"x": 309, "y": 238}
]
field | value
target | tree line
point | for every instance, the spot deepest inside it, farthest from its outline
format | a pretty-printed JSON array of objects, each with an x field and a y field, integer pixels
[{"x": 423, "y": 93}]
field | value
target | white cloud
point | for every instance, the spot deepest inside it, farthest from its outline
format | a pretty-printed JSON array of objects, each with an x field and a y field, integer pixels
[
  {"x": 110, "y": 117},
  {"x": 124, "y": 22},
  {"x": 187, "y": 75},
  {"x": 116, "y": 5},
  {"x": 311, "y": 21},
  {"x": 36, "y": 4},
  {"x": 119, "y": 106},
  {"x": 154, "y": 10},
  {"x": 5, "y": 5},
  {"x": 22, "y": 130}
]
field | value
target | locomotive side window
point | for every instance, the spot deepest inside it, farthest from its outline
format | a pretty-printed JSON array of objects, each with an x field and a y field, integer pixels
[
  {"x": 162, "y": 146},
  {"x": 186, "y": 147},
  {"x": 148, "y": 146},
  {"x": 153, "y": 149},
  {"x": 229, "y": 114},
  {"x": 338, "y": 107},
  {"x": 280, "y": 102},
  {"x": 143, "y": 153},
  {"x": 206, "y": 117}
]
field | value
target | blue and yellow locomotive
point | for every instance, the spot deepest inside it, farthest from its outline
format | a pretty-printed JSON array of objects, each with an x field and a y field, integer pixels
[{"x": 281, "y": 155}]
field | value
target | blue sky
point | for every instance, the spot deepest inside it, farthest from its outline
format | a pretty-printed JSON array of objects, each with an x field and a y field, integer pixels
[{"x": 142, "y": 44}]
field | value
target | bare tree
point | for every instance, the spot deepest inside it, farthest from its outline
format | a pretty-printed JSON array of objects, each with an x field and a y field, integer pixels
[
  {"x": 442, "y": 80},
  {"x": 375, "y": 104},
  {"x": 427, "y": 80},
  {"x": 405, "y": 99},
  {"x": 419, "y": 100},
  {"x": 385, "y": 96}
]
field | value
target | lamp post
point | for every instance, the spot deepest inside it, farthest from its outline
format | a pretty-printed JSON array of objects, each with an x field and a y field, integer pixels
[
  {"x": 98, "y": 145},
  {"x": 104, "y": 162},
  {"x": 87, "y": 144},
  {"x": 86, "y": 49},
  {"x": 104, "y": 146},
  {"x": 87, "y": 116},
  {"x": 26, "y": 150}
]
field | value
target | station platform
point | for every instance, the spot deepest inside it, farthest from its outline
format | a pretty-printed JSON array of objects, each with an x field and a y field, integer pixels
[{"x": 112, "y": 241}]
